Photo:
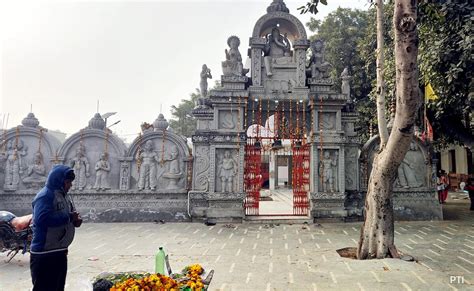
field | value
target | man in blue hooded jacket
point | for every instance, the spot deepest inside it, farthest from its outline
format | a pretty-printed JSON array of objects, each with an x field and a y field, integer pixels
[{"x": 54, "y": 220}]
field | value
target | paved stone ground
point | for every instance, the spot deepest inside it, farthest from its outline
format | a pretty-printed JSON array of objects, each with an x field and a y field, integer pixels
[{"x": 253, "y": 256}]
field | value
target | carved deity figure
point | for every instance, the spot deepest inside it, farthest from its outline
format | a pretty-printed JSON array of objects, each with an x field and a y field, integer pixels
[
  {"x": 407, "y": 176},
  {"x": 36, "y": 172},
  {"x": 277, "y": 46},
  {"x": 345, "y": 87},
  {"x": 205, "y": 74},
  {"x": 173, "y": 172},
  {"x": 233, "y": 63},
  {"x": 227, "y": 169},
  {"x": 173, "y": 162},
  {"x": 319, "y": 67},
  {"x": 327, "y": 167},
  {"x": 80, "y": 165},
  {"x": 102, "y": 170},
  {"x": 148, "y": 167},
  {"x": 13, "y": 169}
]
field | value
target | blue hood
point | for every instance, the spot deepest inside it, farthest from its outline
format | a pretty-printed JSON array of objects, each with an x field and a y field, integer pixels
[
  {"x": 52, "y": 214},
  {"x": 57, "y": 176}
]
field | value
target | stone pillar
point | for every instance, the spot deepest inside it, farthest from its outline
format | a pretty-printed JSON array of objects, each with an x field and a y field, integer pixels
[
  {"x": 272, "y": 171},
  {"x": 257, "y": 44},
  {"x": 300, "y": 46},
  {"x": 125, "y": 173}
]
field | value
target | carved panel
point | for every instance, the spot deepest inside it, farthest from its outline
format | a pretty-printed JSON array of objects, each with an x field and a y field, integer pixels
[
  {"x": 201, "y": 168},
  {"x": 351, "y": 168},
  {"x": 328, "y": 171},
  {"x": 227, "y": 119},
  {"x": 328, "y": 121},
  {"x": 256, "y": 67},
  {"x": 227, "y": 170},
  {"x": 124, "y": 175},
  {"x": 301, "y": 67}
]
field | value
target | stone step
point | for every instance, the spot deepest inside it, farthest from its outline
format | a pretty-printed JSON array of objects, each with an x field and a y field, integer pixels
[{"x": 277, "y": 219}]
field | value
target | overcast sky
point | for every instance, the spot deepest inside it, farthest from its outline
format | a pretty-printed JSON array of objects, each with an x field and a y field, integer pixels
[{"x": 132, "y": 56}]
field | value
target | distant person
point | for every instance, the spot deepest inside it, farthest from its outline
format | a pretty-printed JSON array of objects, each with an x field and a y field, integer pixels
[
  {"x": 470, "y": 188},
  {"x": 54, "y": 220},
  {"x": 442, "y": 186}
]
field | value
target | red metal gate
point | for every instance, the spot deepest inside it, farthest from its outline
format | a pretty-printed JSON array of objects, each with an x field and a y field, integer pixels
[
  {"x": 252, "y": 177},
  {"x": 300, "y": 178}
]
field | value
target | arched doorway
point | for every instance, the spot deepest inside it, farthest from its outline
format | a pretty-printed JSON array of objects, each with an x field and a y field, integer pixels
[{"x": 277, "y": 159}]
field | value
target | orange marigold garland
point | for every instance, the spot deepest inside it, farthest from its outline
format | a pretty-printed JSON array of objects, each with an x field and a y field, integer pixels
[{"x": 189, "y": 280}]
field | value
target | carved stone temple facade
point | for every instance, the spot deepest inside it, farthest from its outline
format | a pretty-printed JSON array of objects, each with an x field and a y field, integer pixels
[
  {"x": 147, "y": 181},
  {"x": 284, "y": 98}
]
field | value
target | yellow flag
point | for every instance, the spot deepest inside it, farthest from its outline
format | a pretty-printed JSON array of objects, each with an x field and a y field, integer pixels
[{"x": 429, "y": 92}]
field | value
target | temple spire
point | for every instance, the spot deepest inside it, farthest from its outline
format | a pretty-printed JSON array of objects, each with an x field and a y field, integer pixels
[{"x": 277, "y": 6}]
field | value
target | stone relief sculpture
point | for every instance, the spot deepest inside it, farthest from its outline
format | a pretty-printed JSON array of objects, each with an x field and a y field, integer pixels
[
  {"x": 328, "y": 121},
  {"x": 345, "y": 87},
  {"x": 36, "y": 172},
  {"x": 350, "y": 156},
  {"x": 148, "y": 168},
  {"x": 201, "y": 169},
  {"x": 102, "y": 170},
  {"x": 327, "y": 172},
  {"x": 319, "y": 67},
  {"x": 173, "y": 172},
  {"x": 226, "y": 170},
  {"x": 277, "y": 49},
  {"x": 205, "y": 74},
  {"x": 13, "y": 165},
  {"x": 124, "y": 176},
  {"x": 233, "y": 63},
  {"x": 407, "y": 176},
  {"x": 80, "y": 165},
  {"x": 227, "y": 121}
]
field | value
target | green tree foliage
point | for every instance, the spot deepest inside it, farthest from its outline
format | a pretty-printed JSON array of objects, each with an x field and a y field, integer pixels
[
  {"x": 182, "y": 121},
  {"x": 312, "y": 6},
  {"x": 446, "y": 50},
  {"x": 445, "y": 60},
  {"x": 341, "y": 31},
  {"x": 350, "y": 39}
]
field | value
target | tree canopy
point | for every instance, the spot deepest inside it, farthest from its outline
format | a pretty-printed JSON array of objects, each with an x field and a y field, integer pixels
[
  {"x": 182, "y": 121},
  {"x": 445, "y": 58},
  {"x": 446, "y": 50}
]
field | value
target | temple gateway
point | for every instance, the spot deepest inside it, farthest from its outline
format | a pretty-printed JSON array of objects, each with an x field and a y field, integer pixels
[{"x": 276, "y": 139}]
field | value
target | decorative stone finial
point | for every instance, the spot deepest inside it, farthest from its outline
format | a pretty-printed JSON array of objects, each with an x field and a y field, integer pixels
[
  {"x": 160, "y": 123},
  {"x": 97, "y": 122},
  {"x": 278, "y": 6},
  {"x": 30, "y": 120}
]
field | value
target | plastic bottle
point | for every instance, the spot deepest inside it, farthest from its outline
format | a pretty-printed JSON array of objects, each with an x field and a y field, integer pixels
[{"x": 160, "y": 261}]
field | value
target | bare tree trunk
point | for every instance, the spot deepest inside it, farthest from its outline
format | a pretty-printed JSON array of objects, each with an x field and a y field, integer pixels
[
  {"x": 382, "y": 122},
  {"x": 377, "y": 233}
]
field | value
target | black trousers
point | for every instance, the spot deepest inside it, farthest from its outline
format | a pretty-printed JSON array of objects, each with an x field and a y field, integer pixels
[{"x": 48, "y": 271}]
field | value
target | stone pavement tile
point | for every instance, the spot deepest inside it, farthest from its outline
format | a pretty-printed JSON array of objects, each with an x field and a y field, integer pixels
[{"x": 297, "y": 257}]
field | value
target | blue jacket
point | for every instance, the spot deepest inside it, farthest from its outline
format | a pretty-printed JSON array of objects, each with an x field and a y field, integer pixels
[{"x": 52, "y": 215}]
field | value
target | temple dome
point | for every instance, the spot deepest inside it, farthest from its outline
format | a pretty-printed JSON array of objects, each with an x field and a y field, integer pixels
[
  {"x": 278, "y": 6},
  {"x": 160, "y": 123},
  {"x": 30, "y": 121},
  {"x": 97, "y": 122}
]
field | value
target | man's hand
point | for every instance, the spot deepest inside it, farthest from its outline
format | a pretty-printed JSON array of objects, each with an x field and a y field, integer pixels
[{"x": 76, "y": 219}]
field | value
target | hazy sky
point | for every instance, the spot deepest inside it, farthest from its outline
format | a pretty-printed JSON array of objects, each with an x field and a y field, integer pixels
[{"x": 132, "y": 56}]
